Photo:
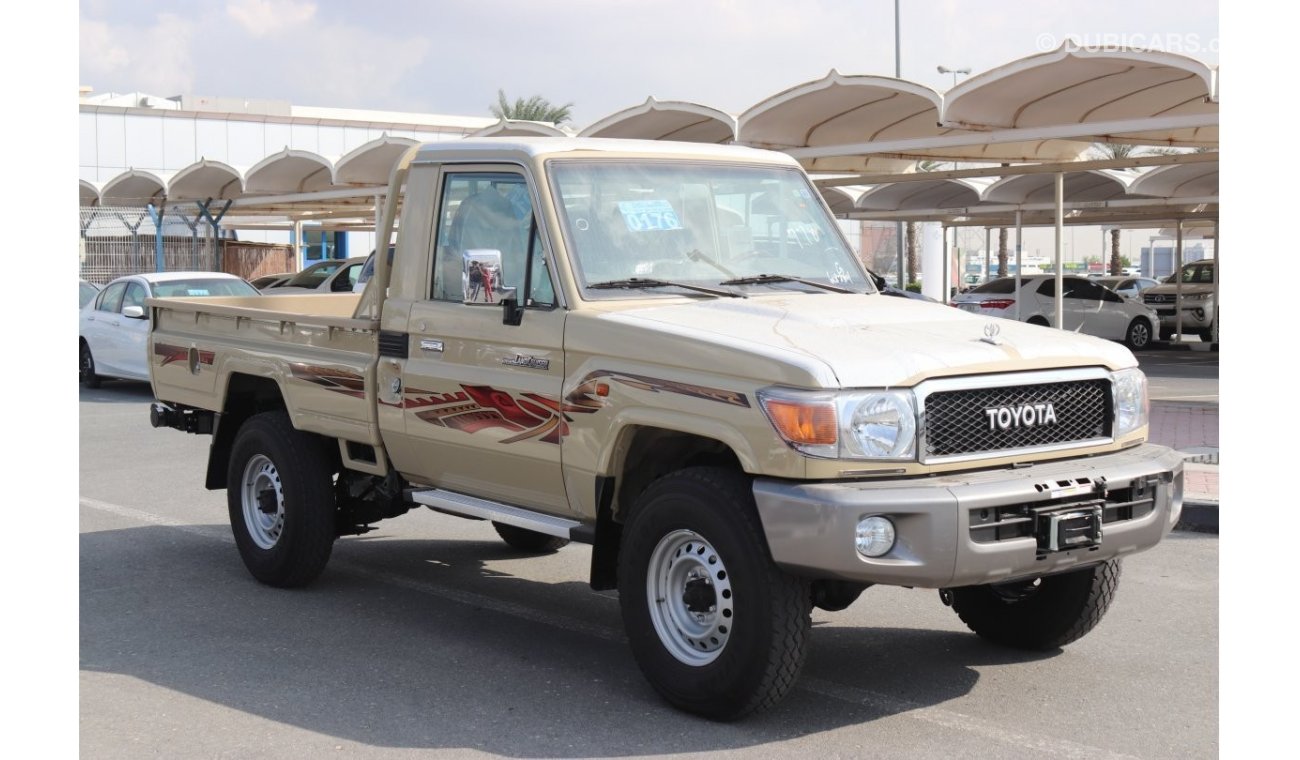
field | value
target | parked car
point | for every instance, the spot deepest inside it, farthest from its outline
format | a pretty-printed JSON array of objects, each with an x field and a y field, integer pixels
[
  {"x": 329, "y": 276},
  {"x": 268, "y": 281},
  {"x": 88, "y": 292},
  {"x": 1130, "y": 287},
  {"x": 1088, "y": 307},
  {"x": 368, "y": 270},
  {"x": 115, "y": 324},
  {"x": 1198, "y": 307}
]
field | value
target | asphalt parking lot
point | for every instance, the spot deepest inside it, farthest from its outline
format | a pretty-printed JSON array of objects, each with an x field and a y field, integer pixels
[{"x": 429, "y": 636}]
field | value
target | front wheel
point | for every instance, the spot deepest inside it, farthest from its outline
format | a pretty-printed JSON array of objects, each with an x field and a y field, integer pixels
[
  {"x": 1040, "y": 614},
  {"x": 87, "y": 375},
  {"x": 279, "y": 492},
  {"x": 716, "y": 627},
  {"x": 1138, "y": 334}
]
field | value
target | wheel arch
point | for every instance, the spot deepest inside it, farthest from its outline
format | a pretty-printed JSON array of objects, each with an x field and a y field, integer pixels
[
  {"x": 641, "y": 454},
  {"x": 245, "y": 396}
]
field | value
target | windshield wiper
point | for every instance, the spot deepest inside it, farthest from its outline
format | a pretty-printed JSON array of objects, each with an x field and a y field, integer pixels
[
  {"x": 763, "y": 279},
  {"x": 638, "y": 282}
]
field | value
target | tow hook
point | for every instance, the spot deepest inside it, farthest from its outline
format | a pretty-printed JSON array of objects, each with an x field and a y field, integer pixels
[{"x": 945, "y": 596}]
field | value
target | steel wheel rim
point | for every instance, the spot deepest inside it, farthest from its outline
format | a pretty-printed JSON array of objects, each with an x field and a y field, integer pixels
[
  {"x": 684, "y": 572},
  {"x": 261, "y": 476}
]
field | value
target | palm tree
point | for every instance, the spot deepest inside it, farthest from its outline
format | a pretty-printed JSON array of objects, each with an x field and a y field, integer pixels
[
  {"x": 535, "y": 108},
  {"x": 1110, "y": 150},
  {"x": 1002, "y": 252}
]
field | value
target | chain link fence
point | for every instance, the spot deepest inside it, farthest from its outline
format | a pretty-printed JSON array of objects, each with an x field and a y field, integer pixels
[{"x": 117, "y": 241}]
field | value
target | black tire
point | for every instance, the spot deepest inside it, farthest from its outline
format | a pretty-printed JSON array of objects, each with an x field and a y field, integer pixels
[
  {"x": 1206, "y": 335},
  {"x": 1166, "y": 333},
  {"x": 1038, "y": 321},
  {"x": 270, "y": 460},
  {"x": 529, "y": 540},
  {"x": 699, "y": 526},
  {"x": 86, "y": 374},
  {"x": 1138, "y": 335},
  {"x": 1042, "y": 615}
]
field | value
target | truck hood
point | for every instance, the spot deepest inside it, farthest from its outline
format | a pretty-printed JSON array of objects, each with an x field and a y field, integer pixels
[{"x": 859, "y": 341}]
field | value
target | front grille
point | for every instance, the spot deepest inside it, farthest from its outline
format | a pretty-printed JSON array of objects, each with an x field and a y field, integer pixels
[
  {"x": 1159, "y": 298},
  {"x": 957, "y": 422}
]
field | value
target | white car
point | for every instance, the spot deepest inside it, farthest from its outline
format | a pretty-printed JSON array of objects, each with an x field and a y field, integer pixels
[
  {"x": 1088, "y": 307},
  {"x": 115, "y": 324},
  {"x": 328, "y": 276}
]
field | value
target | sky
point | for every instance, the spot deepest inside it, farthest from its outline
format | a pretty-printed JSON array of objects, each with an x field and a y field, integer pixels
[{"x": 452, "y": 56}]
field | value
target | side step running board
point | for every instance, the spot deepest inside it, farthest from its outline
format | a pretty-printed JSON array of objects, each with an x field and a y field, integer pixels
[{"x": 470, "y": 506}]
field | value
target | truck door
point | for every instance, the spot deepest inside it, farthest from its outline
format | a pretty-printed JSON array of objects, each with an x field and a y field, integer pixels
[{"x": 481, "y": 395}]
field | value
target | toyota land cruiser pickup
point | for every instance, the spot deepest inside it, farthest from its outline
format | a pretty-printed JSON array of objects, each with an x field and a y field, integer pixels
[{"x": 669, "y": 351}]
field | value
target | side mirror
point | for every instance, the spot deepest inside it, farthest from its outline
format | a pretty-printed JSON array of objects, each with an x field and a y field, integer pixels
[
  {"x": 482, "y": 277},
  {"x": 133, "y": 312}
]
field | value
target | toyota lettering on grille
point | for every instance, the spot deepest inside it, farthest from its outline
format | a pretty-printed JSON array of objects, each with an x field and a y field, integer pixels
[{"x": 1020, "y": 415}]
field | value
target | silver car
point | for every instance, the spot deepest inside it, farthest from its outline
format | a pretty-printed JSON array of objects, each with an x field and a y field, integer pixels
[
  {"x": 1129, "y": 287},
  {"x": 1087, "y": 307}
]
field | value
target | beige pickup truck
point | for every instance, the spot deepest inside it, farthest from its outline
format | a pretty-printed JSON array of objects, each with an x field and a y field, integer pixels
[{"x": 669, "y": 352}]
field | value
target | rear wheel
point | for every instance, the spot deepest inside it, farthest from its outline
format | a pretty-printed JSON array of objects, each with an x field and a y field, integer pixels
[
  {"x": 1138, "y": 334},
  {"x": 280, "y": 497},
  {"x": 529, "y": 540},
  {"x": 86, "y": 375},
  {"x": 1038, "y": 321},
  {"x": 716, "y": 627},
  {"x": 1040, "y": 614}
]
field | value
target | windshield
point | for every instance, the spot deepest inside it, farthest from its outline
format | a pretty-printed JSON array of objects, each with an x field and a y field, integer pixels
[
  {"x": 203, "y": 287},
  {"x": 699, "y": 224},
  {"x": 316, "y": 274},
  {"x": 1200, "y": 273}
]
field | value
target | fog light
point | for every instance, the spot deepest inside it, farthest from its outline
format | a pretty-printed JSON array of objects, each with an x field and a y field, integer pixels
[{"x": 875, "y": 536}]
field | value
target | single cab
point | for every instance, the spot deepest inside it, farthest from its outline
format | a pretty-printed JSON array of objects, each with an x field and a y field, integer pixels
[{"x": 669, "y": 351}]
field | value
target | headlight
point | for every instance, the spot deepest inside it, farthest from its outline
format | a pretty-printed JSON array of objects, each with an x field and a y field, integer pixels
[
  {"x": 849, "y": 425},
  {"x": 1129, "y": 391},
  {"x": 1197, "y": 296}
]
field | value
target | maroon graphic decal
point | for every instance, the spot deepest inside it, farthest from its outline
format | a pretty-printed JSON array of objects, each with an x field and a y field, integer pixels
[
  {"x": 475, "y": 408},
  {"x": 339, "y": 381},
  {"x": 587, "y": 393},
  {"x": 170, "y": 353}
]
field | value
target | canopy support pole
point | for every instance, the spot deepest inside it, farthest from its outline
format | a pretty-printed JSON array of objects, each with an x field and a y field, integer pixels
[
  {"x": 1019, "y": 273},
  {"x": 1059, "y": 304},
  {"x": 943, "y": 273},
  {"x": 1178, "y": 280},
  {"x": 988, "y": 254},
  {"x": 159, "y": 261},
  {"x": 1214, "y": 324}
]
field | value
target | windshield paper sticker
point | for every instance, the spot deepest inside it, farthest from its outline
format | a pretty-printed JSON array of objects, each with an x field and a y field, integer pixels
[{"x": 642, "y": 216}]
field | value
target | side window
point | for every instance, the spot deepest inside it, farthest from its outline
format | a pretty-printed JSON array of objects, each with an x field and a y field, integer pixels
[
  {"x": 1048, "y": 288},
  {"x": 1083, "y": 290},
  {"x": 111, "y": 298},
  {"x": 135, "y": 295},
  {"x": 482, "y": 239}
]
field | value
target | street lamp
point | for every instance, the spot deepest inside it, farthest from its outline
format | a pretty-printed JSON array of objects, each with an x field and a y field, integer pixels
[{"x": 954, "y": 72}]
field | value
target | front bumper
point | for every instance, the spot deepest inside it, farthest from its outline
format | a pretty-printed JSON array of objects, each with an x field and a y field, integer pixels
[
  {"x": 1195, "y": 317},
  {"x": 967, "y": 528}
]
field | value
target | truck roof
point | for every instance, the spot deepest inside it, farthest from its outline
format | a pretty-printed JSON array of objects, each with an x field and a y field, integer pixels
[{"x": 472, "y": 148}]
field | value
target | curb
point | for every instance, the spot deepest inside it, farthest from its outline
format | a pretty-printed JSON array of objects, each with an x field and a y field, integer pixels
[{"x": 1199, "y": 517}]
